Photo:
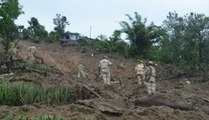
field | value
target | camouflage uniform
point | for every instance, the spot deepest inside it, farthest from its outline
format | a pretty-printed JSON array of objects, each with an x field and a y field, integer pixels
[
  {"x": 140, "y": 73},
  {"x": 32, "y": 53},
  {"x": 105, "y": 70},
  {"x": 81, "y": 72},
  {"x": 151, "y": 74},
  {"x": 186, "y": 84},
  {"x": 186, "y": 88}
]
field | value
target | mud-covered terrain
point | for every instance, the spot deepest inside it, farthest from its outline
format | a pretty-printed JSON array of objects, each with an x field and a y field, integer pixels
[{"x": 123, "y": 99}]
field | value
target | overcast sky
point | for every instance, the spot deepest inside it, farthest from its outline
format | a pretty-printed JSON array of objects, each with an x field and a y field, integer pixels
[{"x": 104, "y": 15}]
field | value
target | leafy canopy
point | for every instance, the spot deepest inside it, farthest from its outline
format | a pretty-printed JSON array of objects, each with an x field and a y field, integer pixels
[
  {"x": 60, "y": 22},
  {"x": 141, "y": 36},
  {"x": 9, "y": 11}
]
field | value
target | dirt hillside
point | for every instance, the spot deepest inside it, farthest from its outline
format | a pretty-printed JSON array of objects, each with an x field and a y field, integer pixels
[{"x": 124, "y": 99}]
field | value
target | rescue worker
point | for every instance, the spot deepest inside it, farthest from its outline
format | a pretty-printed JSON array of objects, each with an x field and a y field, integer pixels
[
  {"x": 32, "y": 54},
  {"x": 104, "y": 70},
  {"x": 186, "y": 88},
  {"x": 150, "y": 77},
  {"x": 140, "y": 73},
  {"x": 186, "y": 84},
  {"x": 81, "y": 72}
]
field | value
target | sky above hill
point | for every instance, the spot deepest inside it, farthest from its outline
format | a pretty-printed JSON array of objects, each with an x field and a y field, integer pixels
[{"x": 96, "y": 17}]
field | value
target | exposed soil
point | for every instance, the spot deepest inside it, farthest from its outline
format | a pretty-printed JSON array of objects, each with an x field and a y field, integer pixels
[{"x": 124, "y": 99}]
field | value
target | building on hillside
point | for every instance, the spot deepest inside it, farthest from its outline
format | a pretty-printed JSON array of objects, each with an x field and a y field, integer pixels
[{"x": 72, "y": 36}]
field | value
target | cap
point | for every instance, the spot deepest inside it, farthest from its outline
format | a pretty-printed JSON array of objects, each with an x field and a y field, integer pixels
[{"x": 150, "y": 63}]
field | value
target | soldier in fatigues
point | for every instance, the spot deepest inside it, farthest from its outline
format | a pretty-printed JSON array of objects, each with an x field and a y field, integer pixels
[
  {"x": 150, "y": 77},
  {"x": 186, "y": 88},
  {"x": 81, "y": 72},
  {"x": 140, "y": 73},
  {"x": 105, "y": 70},
  {"x": 32, "y": 53}
]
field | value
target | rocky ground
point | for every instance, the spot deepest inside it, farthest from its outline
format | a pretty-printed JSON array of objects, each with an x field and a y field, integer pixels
[{"x": 124, "y": 99}]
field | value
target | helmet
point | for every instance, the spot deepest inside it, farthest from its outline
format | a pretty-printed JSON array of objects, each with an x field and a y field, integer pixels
[{"x": 150, "y": 63}]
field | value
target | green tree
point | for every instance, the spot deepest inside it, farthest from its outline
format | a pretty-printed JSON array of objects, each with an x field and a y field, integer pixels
[
  {"x": 53, "y": 37},
  {"x": 188, "y": 39},
  {"x": 118, "y": 44},
  {"x": 60, "y": 22},
  {"x": 141, "y": 37},
  {"x": 36, "y": 31},
  {"x": 160, "y": 49},
  {"x": 196, "y": 39},
  {"x": 175, "y": 26},
  {"x": 9, "y": 11}
]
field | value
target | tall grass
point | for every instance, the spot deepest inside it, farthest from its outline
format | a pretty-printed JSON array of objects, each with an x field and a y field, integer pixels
[
  {"x": 44, "y": 117},
  {"x": 20, "y": 93},
  {"x": 44, "y": 68}
]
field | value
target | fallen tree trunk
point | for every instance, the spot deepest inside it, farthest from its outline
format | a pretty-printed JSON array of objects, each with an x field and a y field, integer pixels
[
  {"x": 159, "y": 100},
  {"x": 92, "y": 91},
  {"x": 108, "y": 106},
  {"x": 162, "y": 100}
]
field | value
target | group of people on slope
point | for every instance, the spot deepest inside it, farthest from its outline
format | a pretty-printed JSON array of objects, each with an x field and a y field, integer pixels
[{"x": 145, "y": 74}]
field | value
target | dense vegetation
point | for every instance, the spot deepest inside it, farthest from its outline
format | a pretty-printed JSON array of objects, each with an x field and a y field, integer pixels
[{"x": 182, "y": 41}]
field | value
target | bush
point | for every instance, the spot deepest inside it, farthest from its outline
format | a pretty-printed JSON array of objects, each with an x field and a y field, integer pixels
[{"x": 53, "y": 37}]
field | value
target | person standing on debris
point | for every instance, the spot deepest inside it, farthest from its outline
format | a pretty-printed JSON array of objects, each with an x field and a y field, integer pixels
[
  {"x": 32, "y": 53},
  {"x": 186, "y": 84},
  {"x": 81, "y": 72},
  {"x": 186, "y": 88},
  {"x": 140, "y": 73},
  {"x": 104, "y": 70},
  {"x": 150, "y": 77}
]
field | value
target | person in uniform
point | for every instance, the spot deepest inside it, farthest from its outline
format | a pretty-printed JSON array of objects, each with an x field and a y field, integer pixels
[
  {"x": 140, "y": 73},
  {"x": 104, "y": 69},
  {"x": 81, "y": 72},
  {"x": 31, "y": 54},
  {"x": 150, "y": 77}
]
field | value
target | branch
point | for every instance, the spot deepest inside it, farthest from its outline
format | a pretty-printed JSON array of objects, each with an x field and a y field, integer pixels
[{"x": 95, "y": 93}]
